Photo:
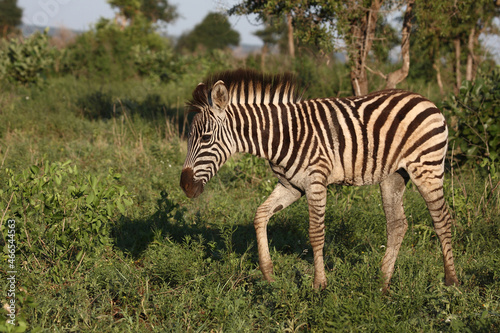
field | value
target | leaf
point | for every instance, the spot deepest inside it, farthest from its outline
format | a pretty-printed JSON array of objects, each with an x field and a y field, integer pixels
[
  {"x": 58, "y": 179},
  {"x": 91, "y": 198},
  {"x": 109, "y": 209},
  {"x": 58, "y": 216},
  {"x": 79, "y": 255},
  {"x": 93, "y": 182},
  {"x": 120, "y": 206},
  {"x": 21, "y": 326},
  {"x": 34, "y": 169}
]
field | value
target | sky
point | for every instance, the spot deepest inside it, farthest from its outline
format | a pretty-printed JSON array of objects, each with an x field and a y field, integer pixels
[{"x": 83, "y": 14}]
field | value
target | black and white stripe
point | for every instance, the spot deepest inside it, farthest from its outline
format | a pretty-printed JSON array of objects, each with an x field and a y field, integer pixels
[{"x": 386, "y": 137}]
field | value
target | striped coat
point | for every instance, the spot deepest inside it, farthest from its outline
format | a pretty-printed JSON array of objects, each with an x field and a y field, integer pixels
[{"x": 387, "y": 137}]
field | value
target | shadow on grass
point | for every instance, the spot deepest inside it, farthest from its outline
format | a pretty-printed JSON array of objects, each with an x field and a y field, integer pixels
[
  {"x": 102, "y": 105},
  {"x": 133, "y": 236},
  {"x": 286, "y": 234}
]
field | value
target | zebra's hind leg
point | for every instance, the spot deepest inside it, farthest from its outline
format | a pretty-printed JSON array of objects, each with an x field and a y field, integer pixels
[
  {"x": 280, "y": 198},
  {"x": 316, "y": 200},
  {"x": 430, "y": 186},
  {"x": 392, "y": 189}
]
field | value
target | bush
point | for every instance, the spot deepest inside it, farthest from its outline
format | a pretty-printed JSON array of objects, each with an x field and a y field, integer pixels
[
  {"x": 26, "y": 61},
  {"x": 60, "y": 214},
  {"x": 161, "y": 64},
  {"x": 115, "y": 53},
  {"x": 475, "y": 130}
]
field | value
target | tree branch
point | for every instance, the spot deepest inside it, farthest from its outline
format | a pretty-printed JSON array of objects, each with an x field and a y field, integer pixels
[
  {"x": 379, "y": 73},
  {"x": 399, "y": 75}
]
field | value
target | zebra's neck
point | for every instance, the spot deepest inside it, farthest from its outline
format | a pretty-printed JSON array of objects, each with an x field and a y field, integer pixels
[{"x": 263, "y": 130}]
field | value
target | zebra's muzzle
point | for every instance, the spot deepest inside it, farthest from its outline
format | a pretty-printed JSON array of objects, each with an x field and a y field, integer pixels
[{"x": 191, "y": 187}]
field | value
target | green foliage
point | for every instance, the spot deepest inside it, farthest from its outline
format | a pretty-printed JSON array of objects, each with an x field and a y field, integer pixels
[
  {"x": 61, "y": 215},
  {"x": 214, "y": 32},
  {"x": 159, "y": 10},
  {"x": 162, "y": 64},
  {"x": 176, "y": 263},
  {"x": 313, "y": 20},
  {"x": 152, "y": 10},
  {"x": 26, "y": 61},
  {"x": 246, "y": 168},
  {"x": 111, "y": 52},
  {"x": 390, "y": 39},
  {"x": 475, "y": 130},
  {"x": 322, "y": 80},
  {"x": 273, "y": 33}
]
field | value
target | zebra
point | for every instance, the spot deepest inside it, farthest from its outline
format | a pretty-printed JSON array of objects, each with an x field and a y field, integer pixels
[{"x": 386, "y": 137}]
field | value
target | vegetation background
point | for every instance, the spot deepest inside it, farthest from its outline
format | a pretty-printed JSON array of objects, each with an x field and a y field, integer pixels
[{"x": 92, "y": 141}]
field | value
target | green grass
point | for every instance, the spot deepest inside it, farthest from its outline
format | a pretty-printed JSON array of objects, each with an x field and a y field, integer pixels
[{"x": 168, "y": 263}]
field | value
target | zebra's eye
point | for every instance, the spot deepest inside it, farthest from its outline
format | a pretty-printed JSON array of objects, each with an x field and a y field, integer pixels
[{"x": 206, "y": 138}]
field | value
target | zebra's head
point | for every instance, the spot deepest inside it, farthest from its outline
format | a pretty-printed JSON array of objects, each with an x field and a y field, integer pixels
[{"x": 209, "y": 145}]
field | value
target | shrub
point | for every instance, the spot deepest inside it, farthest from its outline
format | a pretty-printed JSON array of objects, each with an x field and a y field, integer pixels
[
  {"x": 475, "y": 130},
  {"x": 26, "y": 60},
  {"x": 111, "y": 52},
  {"x": 61, "y": 215},
  {"x": 162, "y": 64}
]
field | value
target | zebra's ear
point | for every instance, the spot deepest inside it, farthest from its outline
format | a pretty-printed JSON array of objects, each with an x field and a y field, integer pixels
[{"x": 220, "y": 97}]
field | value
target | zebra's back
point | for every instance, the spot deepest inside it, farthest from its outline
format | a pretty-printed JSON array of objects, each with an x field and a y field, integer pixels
[{"x": 367, "y": 138}]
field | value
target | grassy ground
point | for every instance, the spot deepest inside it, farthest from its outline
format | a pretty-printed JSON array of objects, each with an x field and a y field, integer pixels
[{"x": 108, "y": 242}]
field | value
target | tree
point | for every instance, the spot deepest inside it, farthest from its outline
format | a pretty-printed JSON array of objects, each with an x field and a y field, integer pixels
[
  {"x": 270, "y": 35},
  {"x": 151, "y": 10},
  {"x": 159, "y": 10},
  {"x": 476, "y": 18},
  {"x": 431, "y": 39},
  {"x": 321, "y": 22},
  {"x": 214, "y": 32},
  {"x": 360, "y": 23},
  {"x": 274, "y": 33},
  {"x": 10, "y": 16},
  {"x": 443, "y": 29}
]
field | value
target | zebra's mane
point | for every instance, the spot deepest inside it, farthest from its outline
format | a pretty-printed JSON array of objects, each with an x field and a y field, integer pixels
[{"x": 247, "y": 86}]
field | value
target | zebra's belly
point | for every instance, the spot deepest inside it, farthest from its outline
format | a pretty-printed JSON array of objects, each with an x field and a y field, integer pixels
[
  {"x": 335, "y": 174},
  {"x": 358, "y": 177}
]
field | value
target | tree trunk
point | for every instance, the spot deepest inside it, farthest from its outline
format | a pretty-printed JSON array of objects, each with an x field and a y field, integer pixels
[
  {"x": 263, "y": 55},
  {"x": 472, "y": 63},
  {"x": 362, "y": 34},
  {"x": 359, "y": 81},
  {"x": 470, "y": 55},
  {"x": 399, "y": 75},
  {"x": 458, "y": 74},
  {"x": 291, "y": 46},
  {"x": 438, "y": 76}
]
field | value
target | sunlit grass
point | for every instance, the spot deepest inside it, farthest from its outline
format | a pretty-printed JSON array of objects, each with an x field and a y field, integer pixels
[{"x": 182, "y": 265}]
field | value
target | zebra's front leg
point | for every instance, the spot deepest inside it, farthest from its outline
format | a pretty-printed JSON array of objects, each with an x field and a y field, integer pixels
[
  {"x": 280, "y": 198},
  {"x": 316, "y": 199}
]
